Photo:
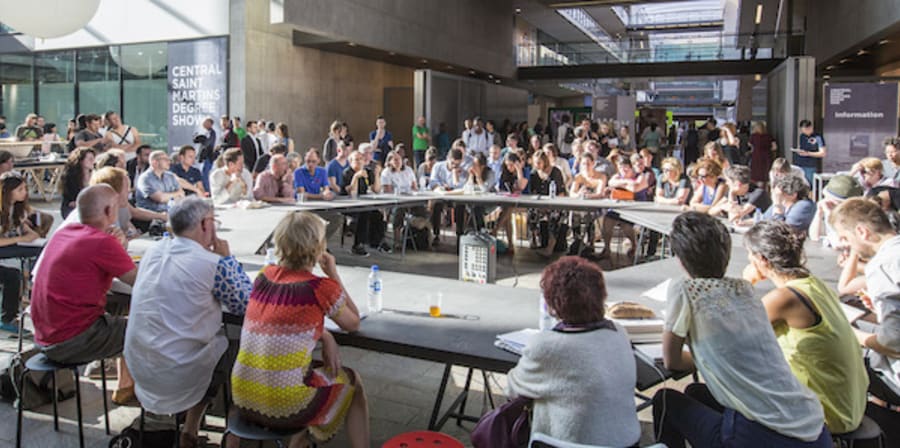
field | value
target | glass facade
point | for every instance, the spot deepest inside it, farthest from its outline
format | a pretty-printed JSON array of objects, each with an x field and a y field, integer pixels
[{"x": 128, "y": 79}]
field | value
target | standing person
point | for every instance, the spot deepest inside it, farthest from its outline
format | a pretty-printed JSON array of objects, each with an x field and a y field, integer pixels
[
  {"x": 15, "y": 228},
  {"x": 208, "y": 154},
  {"x": 330, "y": 147},
  {"x": 231, "y": 182},
  {"x": 381, "y": 139},
  {"x": 261, "y": 127},
  {"x": 866, "y": 229},
  {"x": 811, "y": 150},
  {"x": 729, "y": 142},
  {"x": 442, "y": 140},
  {"x": 625, "y": 143},
  {"x": 492, "y": 135},
  {"x": 891, "y": 162},
  {"x": 565, "y": 135},
  {"x": 238, "y": 130},
  {"x": 477, "y": 139},
  {"x": 272, "y": 185},
  {"x": 175, "y": 342},
  {"x": 762, "y": 146},
  {"x": 90, "y": 135},
  {"x": 251, "y": 147},
  {"x": 652, "y": 138},
  {"x": 283, "y": 136},
  {"x": 285, "y": 321},
  {"x": 75, "y": 176},
  {"x": 229, "y": 137},
  {"x": 815, "y": 336},
  {"x": 691, "y": 144},
  {"x": 421, "y": 140},
  {"x": 190, "y": 178},
  {"x": 127, "y": 138},
  {"x": 337, "y": 165}
]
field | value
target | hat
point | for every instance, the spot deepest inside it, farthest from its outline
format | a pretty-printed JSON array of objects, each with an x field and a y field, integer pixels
[{"x": 843, "y": 187}]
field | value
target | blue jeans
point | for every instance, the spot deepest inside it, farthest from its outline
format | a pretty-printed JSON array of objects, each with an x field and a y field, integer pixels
[
  {"x": 419, "y": 157},
  {"x": 207, "y": 167},
  {"x": 809, "y": 172},
  {"x": 696, "y": 417}
]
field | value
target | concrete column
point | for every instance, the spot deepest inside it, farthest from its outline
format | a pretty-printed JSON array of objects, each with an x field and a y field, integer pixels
[{"x": 791, "y": 98}]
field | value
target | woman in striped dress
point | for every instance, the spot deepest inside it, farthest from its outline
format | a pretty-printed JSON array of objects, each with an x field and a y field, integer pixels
[{"x": 275, "y": 382}]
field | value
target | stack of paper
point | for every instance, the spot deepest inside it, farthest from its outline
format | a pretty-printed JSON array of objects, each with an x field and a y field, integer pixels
[
  {"x": 642, "y": 330},
  {"x": 515, "y": 341}
]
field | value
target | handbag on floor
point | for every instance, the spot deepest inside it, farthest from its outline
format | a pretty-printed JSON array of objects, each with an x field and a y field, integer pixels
[{"x": 508, "y": 426}]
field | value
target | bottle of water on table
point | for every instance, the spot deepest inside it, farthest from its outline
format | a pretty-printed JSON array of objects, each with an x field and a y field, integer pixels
[
  {"x": 375, "y": 301},
  {"x": 170, "y": 205},
  {"x": 552, "y": 188},
  {"x": 270, "y": 256}
]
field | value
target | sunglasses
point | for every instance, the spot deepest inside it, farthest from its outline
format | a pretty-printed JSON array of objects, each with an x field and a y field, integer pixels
[{"x": 702, "y": 176}]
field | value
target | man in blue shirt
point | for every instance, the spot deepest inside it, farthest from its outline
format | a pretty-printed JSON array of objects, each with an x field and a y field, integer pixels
[
  {"x": 448, "y": 175},
  {"x": 381, "y": 139},
  {"x": 190, "y": 178},
  {"x": 335, "y": 168},
  {"x": 311, "y": 180},
  {"x": 157, "y": 185},
  {"x": 811, "y": 150}
]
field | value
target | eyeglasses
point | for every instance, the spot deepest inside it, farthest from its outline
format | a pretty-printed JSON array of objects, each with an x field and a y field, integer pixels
[
  {"x": 702, "y": 176},
  {"x": 667, "y": 170}
]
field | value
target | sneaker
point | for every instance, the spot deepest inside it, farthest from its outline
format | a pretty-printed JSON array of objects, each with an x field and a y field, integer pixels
[
  {"x": 10, "y": 327},
  {"x": 384, "y": 248},
  {"x": 359, "y": 250}
]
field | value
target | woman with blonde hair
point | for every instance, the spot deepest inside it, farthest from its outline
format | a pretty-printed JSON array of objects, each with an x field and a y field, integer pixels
[
  {"x": 711, "y": 187},
  {"x": 713, "y": 151},
  {"x": 275, "y": 383},
  {"x": 673, "y": 187}
]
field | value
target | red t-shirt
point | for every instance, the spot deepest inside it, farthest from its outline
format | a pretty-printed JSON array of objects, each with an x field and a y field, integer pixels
[{"x": 77, "y": 269}]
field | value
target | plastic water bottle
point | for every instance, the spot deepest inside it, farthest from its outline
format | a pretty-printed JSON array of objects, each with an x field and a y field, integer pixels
[
  {"x": 552, "y": 188},
  {"x": 166, "y": 235},
  {"x": 546, "y": 322},
  {"x": 375, "y": 300},
  {"x": 170, "y": 205},
  {"x": 270, "y": 256}
]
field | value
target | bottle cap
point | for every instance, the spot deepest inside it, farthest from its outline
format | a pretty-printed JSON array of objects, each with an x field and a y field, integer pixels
[{"x": 374, "y": 267}]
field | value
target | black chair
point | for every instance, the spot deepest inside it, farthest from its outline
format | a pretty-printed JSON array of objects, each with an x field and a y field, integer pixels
[
  {"x": 249, "y": 431},
  {"x": 41, "y": 363},
  {"x": 868, "y": 434}
]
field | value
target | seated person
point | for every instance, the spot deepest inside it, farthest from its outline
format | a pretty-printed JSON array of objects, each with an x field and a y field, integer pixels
[
  {"x": 447, "y": 176},
  {"x": 230, "y": 181},
  {"x": 68, "y": 298},
  {"x": 423, "y": 172},
  {"x": 814, "y": 334},
  {"x": 575, "y": 294},
  {"x": 790, "y": 204},
  {"x": 311, "y": 180},
  {"x": 139, "y": 164},
  {"x": 175, "y": 343},
  {"x": 750, "y": 397},
  {"x": 335, "y": 168},
  {"x": 888, "y": 198},
  {"x": 865, "y": 228},
  {"x": 560, "y": 163},
  {"x": 358, "y": 180},
  {"x": 870, "y": 174},
  {"x": 157, "y": 185},
  {"x": 90, "y": 136},
  {"x": 744, "y": 198},
  {"x": 547, "y": 226},
  {"x": 627, "y": 184},
  {"x": 16, "y": 226},
  {"x": 284, "y": 322},
  {"x": 589, "y": 183},
  {"x": 398, "y": 178},
  {"x": 711, "y": 188},
  {"x": 262, "y": 163},
  {"x": 514, "y": 181},
  {"x": 114, "y": 157},
  {"x": 781, "y": 167},
  {"x": 7, "y": 160},
  {"x": 190, "y": 178},
  {"x": 272, "y": 185},
  {"x": 674, "y": 188},
  {"x": 838, "y": 189}
]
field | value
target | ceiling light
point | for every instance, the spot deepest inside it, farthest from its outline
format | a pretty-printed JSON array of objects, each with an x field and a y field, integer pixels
[
  {"x": 490, "y": 76},
  {"x": 497, "y": 81},
  {"x": 518, "y": 10},
  {"x": 449, "y": 67},
  {"x": 759, "y": 8},
  {"x": 826, "y": 77},
  {"x": 351, "y": 44},
  {"x": 829, "y": 67},
  {"x": 757, "y": 77},
  {"x": 471, "y": 72},
  {"x": 861, "y": 52},
  {"x": 392, "y": 53},
  {"x": 845, "y": 60},
  {"x": 883, "y": 41},
  {"x": 424, "y": 61}
]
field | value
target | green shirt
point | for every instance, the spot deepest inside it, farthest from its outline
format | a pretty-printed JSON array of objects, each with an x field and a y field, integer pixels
[
  {"x": 241, "y": 133},
  {"x": 826, "y": 357},
  {"x": 419, "y": 144}
]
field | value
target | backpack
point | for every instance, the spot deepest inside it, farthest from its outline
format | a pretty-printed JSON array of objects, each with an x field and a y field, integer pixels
[
  {"x": 37, "y": 384},
  {"x": 570, "y": 135}
]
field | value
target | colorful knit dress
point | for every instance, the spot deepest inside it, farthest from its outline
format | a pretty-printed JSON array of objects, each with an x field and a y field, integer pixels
[{"x": 275, "y": 382}]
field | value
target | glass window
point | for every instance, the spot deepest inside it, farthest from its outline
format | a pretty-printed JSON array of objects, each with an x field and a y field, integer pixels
[
  {"x": 17, "y": 89},
  {"x": 98, "y": 82},
  {"x": 56, "y": 87},
  {"x": 146, "y": 90}
]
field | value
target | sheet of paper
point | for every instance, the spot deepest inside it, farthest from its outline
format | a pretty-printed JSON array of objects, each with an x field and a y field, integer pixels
[
  {"x": 658, "y": 292},
  {"x": 515, "y": 341},
  {"x": 853, "y": 313},
  {"x": 332, "y": 326}
]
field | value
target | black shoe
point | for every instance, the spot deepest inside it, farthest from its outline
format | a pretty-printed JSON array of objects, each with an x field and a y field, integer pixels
[
  {"x": 436, "y": 241},
  {"x": 384, "y": 248},
  {"x": 359, "y": 250}
]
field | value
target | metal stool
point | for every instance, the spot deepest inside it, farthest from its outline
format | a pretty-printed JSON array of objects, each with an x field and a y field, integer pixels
[
  {"x": 868, "y": 434},
  {"x": 41, "y": 363},
  {"x": 422, "y": 439},
  {"x": 250, "y": 431}
]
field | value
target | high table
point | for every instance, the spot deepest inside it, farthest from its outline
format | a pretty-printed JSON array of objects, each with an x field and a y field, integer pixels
[{"x": 36, "y": 171}]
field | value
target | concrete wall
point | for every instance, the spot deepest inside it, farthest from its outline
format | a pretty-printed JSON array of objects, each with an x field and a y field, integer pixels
[
  {"x": 791, "y": 98},
  {"x": 476, "y": 34},
  {"x": 839, "y": 25},
  {"x": 306, "y": 88}
]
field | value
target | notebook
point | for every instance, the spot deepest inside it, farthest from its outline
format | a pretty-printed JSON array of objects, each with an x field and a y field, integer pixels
[
  {"x": 515, "y": 341},
  {"x": 642, "y": 330}
]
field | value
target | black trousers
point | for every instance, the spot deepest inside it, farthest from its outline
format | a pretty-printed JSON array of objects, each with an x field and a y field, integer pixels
[
  {"x": 369, "y": 228},
  {"x": 11, "y": 280},
  {"x": 462, "y": 218}
]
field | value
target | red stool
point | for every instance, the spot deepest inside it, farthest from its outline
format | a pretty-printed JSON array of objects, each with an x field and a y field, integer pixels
[{"x": 417, "y": 439}]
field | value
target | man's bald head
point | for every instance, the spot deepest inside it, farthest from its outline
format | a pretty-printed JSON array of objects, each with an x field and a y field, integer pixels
[{"x": 98, "y": 205}]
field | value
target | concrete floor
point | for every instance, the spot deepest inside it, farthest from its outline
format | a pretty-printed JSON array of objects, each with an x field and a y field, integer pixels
[{"x": 401, "y": 391}]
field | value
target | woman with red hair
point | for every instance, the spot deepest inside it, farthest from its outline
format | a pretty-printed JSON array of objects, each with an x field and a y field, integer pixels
[{"x": 581, "y": 375}]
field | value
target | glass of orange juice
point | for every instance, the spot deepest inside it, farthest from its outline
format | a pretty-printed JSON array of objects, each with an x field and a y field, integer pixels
[{"x": 434, "y": 304}]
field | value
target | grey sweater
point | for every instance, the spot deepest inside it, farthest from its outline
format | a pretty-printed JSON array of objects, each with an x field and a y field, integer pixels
[{"x": 583, "y": 386}]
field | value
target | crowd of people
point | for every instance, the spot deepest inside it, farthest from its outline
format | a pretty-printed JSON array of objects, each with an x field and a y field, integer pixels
[{"x": 787, "y": 370}]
